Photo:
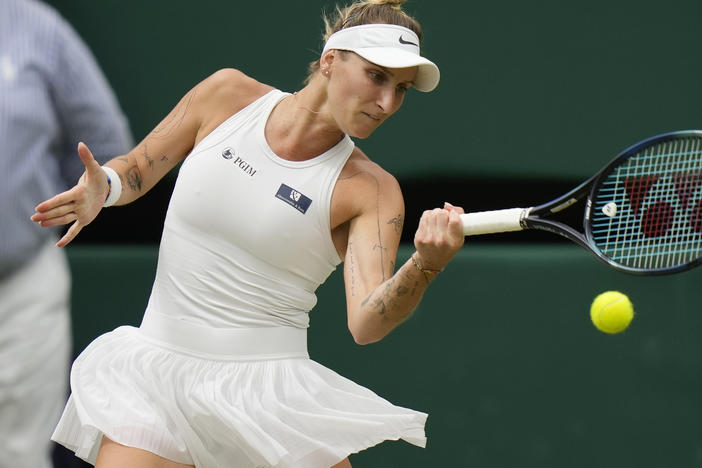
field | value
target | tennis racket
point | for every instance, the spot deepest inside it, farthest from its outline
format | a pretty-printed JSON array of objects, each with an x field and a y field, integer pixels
[{"x": 642, "y": 211}]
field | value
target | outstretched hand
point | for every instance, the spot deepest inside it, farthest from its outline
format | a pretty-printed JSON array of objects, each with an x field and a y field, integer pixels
[
  {"x": 79, "y": 205},
  {"x": 439, "y": 236}
]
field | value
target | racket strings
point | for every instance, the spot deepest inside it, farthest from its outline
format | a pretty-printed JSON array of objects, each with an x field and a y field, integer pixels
[{"x": 647, "y": 213}]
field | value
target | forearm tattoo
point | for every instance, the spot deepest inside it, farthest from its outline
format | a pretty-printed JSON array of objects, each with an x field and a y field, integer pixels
[
  {"x": 378, "y": 303},
  {"x": 147, "y": 158},
  {"x": 134, "y": 178},
  {"x": 390, "y": 295}
]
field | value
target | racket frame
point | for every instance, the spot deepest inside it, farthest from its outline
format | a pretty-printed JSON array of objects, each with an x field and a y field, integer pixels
[
  {"x": 596, "y": 181},
  {"x": 536, "y": 217}
]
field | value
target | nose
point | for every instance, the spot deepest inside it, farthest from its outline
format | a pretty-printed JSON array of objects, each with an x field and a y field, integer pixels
[{"x": 387, "y": 100}]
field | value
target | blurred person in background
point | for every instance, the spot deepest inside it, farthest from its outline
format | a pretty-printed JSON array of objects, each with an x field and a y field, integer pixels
[{"x": 52, "y": 93}]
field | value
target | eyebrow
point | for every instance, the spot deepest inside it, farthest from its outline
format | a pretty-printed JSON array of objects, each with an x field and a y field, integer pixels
[{"x": 386, "y": 70}]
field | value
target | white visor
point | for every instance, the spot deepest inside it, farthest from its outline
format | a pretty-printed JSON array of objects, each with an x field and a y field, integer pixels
[{"x": 390, "y": 46}]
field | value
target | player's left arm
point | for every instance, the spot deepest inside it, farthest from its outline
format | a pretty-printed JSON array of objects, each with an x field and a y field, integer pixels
[{"x": 379, "y": 296}]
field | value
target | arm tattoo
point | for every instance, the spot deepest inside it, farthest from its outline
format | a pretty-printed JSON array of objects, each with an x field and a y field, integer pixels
[
  {"x": 397, "y": 222},
  {"x": 379, "y": 246},
  {"x": 134, "y": 178},
  {"x": 382, "y": 310},
  {"x": 147, "y": 158},
  {"x": 414, "y": 288},
  {"x": 378, "y": 304},
  {"x": 388, "y": 298},
  {"x": 174, "y": 120},
  {"x": 352, "y": 268}
]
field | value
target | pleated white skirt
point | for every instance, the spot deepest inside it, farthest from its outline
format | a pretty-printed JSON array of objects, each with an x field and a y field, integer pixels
[{"x": 223, "y": 398}]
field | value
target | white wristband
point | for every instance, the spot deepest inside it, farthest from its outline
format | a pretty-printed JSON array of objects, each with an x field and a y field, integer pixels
[{"x": 115, "y": 184}]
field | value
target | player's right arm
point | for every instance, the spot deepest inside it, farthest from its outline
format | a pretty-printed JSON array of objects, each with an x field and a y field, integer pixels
[{"x": 201, "y": 110}]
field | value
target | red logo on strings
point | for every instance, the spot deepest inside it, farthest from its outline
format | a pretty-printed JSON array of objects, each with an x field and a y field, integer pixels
[{"x": 657, "y": 219}]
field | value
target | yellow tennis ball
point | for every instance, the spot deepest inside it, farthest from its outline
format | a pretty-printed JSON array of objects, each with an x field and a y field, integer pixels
[{"x": 611, "y": 312}]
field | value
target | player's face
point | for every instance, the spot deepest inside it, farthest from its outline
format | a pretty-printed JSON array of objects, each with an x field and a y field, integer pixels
[{"x": 363, "y": 95}]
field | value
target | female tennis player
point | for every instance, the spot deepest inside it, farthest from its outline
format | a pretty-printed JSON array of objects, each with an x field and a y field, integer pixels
[{"x": 271, "y": 196}]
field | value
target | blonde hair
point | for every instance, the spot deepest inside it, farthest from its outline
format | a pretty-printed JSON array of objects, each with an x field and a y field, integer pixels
[{"x": 365, "y": 12}]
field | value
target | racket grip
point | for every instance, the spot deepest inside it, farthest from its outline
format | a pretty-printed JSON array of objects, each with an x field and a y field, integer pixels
[{"x": 490, "y": 222}]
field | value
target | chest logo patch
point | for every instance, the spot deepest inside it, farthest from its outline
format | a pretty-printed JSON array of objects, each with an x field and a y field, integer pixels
[
  {"x": 229, "y": 154},
  {"x": 293, "y": 198}
]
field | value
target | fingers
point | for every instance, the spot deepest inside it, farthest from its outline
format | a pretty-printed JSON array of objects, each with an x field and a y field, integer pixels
[
  {"x": 441, "y": 226},
  {"x": 447, "y": 218},
  {"x": 92, "y": 168},
  {"x": 62, "y": 215},
  {"x": 455, "y": 223},
  {"x": 70, "y": 234},
  {"x": 58, "y": 205},
  {"x": 86, "y": 156},
  {"x": 62, "y": 199},
  {"x": 436, "y": 219},
  {"x": 63, "y": 208},
  {"x": 79, "y": 205},
  {"x": 93, "y": 171},
  {"x": 450, "y": 207},
  {"x": 439, "y": 236},
  {"x": 440, "y": 229}
]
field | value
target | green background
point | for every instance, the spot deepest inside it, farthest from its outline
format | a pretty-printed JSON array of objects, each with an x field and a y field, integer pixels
[
  {"x": 501, "y": 352},
  {"x": 542, "y": 88}
]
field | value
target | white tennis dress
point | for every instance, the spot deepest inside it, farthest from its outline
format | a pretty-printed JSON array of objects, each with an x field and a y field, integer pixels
[{"x": 218, "y": 374}]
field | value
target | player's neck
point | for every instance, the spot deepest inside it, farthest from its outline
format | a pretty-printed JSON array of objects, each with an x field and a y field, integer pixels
[{"x": 297, "y": 132}]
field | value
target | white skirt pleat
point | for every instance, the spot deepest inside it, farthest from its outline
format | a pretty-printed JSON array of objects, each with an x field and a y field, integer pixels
[{"x": 143, "y": 388}]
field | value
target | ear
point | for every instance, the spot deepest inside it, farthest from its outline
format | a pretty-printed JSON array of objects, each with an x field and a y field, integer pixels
[{"x": 326, "y": 60}]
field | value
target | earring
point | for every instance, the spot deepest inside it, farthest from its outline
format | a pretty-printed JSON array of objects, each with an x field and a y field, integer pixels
[{"x": 326, "y": 72}]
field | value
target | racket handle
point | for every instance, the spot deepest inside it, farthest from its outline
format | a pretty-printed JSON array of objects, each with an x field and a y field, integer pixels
[{"x": 490, "y": 222}]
